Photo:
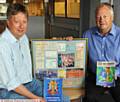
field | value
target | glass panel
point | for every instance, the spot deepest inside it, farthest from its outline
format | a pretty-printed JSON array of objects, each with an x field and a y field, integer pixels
[
  {"x": 59, "y": 8},
  {"x": 35, "y": 7},
  {"x": 73, "y": 8}
]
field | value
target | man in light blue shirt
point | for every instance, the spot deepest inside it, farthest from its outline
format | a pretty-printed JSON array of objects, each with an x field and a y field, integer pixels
[
  {"x": 103, "y": 45},
  {"x": 16, "y": 80},
  {"x": 15, "y": 58}
]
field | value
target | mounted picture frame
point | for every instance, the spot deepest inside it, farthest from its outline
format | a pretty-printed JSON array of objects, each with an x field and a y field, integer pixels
[
  {"x": 60, "y": 59},
  {"x": 3, "y": 10}
]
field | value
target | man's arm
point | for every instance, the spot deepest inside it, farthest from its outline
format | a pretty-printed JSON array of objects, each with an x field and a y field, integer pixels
[{"x": 25, "y": 92}]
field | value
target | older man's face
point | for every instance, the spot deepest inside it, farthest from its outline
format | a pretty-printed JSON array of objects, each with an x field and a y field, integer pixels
[
  {"x": 104, "y": 19},
  {"x": 17, "y": 24}
]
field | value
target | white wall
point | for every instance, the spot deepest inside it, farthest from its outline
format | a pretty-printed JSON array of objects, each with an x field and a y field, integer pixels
[
  {"x": 36, "y": 27},
  {"x": 104, "y": 0}
]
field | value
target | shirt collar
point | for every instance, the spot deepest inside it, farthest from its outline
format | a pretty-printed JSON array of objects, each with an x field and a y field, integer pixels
[
  {"x": 7, "y": 35},
  {"x": 112, "y": 31}
]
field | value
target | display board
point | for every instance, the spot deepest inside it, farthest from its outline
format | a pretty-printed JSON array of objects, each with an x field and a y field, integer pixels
[{"x": 60, "y": 58}]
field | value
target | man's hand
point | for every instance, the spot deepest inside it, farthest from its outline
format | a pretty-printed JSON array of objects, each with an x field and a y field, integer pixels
[
  {"x": 69, "y": 38},
  {"x": 39, "y": 99},
  {"x": 25, "y": 92},
  {"x": 42, "y": 99},
  {"x": 106, "y": 86}
]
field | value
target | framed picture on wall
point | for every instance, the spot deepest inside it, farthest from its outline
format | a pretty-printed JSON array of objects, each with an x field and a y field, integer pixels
[
  {"x": 3, "y": 10},
  {"x": 2, "y": 1}
]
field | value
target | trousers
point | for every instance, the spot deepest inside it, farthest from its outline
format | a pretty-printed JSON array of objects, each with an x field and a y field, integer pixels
[
  {"x": 94, "y": 93},
  {"x": 35, "y": 86}
]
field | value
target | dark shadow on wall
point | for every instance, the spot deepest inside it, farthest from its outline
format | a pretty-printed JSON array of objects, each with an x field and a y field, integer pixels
[{"x": 2, "y": 25}]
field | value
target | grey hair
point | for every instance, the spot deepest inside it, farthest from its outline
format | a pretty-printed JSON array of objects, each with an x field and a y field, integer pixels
[{"x": 109, "y": 6}]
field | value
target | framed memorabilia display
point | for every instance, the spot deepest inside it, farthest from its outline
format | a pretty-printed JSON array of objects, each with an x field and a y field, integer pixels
[
  {"x": 60, "y": 59},
  {"x": 2, "y": 1}
]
